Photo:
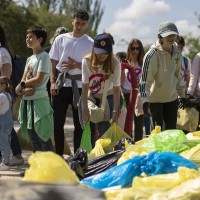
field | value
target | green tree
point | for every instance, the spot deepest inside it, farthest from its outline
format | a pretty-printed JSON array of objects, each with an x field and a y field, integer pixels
[
  {"x": 15, "y": 20},
  {"x": 192, "y": 46}
]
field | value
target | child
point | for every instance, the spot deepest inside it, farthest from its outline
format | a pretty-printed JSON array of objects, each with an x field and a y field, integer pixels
[
  {"x": 36, "y": 114},
  {"x": 6, "y": 121}
]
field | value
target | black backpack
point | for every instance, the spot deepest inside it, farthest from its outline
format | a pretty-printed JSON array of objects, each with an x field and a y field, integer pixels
[{"x": 17, "y": 72}]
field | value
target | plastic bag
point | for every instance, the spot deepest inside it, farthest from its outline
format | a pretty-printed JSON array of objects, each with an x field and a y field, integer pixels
[
  {"x": 103, "y": 163},
  {"x": 115, "y": 133},
  {"x": 98, "y": 149},
  {"x": 159, "y": 183},
  {"x": 122, "y": 117},
  {"x": 79, "y": 162},
  {"x": 86, "y": 138},
  {"x": 143, "y": 188},
  {"x": 164, "y": 162},
  {"x": 187, "y": 119},
  {"x": 160, "y": 141},
  {"x": 123, "y": 144},
  {"x": 49, "y": 167},
  {"x": 120, "y": 175}
]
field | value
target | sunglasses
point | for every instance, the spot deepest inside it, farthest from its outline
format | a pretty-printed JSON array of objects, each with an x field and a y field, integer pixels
[{"x": 135, "y": 48}]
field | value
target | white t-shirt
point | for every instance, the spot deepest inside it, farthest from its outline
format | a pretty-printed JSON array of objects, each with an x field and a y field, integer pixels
[
  {"x": 64, "y": 46},
  {"x": 4, "y": 57},
  {"x": 96, "y": 79},
  {"x": 4, "y": 103}
]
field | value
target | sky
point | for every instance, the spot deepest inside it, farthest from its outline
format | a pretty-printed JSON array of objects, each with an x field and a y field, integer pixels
[{"x": 127, "y": 19}]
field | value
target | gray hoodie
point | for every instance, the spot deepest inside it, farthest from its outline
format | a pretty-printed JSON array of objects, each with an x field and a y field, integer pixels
[{"x": 161, "y": 78}]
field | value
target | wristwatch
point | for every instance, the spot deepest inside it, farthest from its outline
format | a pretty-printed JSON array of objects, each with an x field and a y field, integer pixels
[{"x": 22, "y": 86}]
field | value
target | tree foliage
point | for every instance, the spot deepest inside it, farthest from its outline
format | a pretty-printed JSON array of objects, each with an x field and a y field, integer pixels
[
  {"x": 17, "y": 16},
  {"x": 192, "y": 46}
]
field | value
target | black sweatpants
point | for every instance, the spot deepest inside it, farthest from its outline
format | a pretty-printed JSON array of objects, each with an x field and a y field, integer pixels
[{"x": 164, "y": 114}]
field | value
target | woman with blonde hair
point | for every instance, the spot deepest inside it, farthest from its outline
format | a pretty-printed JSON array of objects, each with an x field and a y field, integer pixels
[{"x": 98, "y": 67}]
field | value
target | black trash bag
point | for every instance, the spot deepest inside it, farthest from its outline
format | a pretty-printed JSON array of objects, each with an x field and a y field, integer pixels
[
  {"x": 79, "y": 161},
  {"x": 76, "y": 167},
  {"x": 189, "y": 102},
  {"x": 103, "y": 162},
  {"x": 120, "y": 145}
]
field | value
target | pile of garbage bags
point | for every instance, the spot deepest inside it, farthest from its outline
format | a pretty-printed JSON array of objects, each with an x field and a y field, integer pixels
[{"x": 163, "y": 166}]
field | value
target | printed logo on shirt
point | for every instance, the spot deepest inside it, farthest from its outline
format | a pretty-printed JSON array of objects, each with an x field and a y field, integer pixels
[
  {"x": 95, "y": 82},
  {"x": 138, "y": 72},
  {"x": 30, "y": 71}
]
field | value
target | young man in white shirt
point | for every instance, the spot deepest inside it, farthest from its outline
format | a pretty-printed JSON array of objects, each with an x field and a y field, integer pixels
[{"x": 67, "y": 53}]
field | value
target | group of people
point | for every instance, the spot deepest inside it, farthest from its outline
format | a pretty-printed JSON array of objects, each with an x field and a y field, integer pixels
[{"x": 80, "y": 67}]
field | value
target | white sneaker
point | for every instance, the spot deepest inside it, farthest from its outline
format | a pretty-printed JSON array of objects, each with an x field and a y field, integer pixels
[
  {"x": 4, "y": 167},
  {"x": 14, "y": 161}
]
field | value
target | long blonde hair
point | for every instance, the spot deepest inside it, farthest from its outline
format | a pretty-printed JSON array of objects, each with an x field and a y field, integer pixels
[
  {"x": 108, "y": 65},
  {"x": 5, "y": 80}
]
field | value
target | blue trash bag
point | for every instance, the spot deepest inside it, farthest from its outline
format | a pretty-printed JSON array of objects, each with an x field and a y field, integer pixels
[
  {"x": 164, "y": 163},
  {"x": 120, "y": 175}
]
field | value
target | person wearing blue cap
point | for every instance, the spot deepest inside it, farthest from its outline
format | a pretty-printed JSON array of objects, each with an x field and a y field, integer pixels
[
  {"x": 101, "y": 72},
  {"x": 160, "y": 83}
]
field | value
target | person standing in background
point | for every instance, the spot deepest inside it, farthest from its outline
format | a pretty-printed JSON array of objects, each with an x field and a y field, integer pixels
[
  {"x": 58, "y": 31},
  {"x": 98, "y": 67},
  {"x": 6, "y": 70},
  {"x": 36, "y": 113},
  {"x": 67, "y": 53},
  {"x": 160, "y": 84},
  {"x": 134, "y": 57},
  {"x": 185, "y": 64}
]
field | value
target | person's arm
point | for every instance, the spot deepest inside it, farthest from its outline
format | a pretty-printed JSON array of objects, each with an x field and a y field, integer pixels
[
  {"x": 6, "y": 70},
  {"x": 71, "y": 64},
  {"x": 116, "y": 100},
  {"x": 194, "y": 74},
  {"x": 149, "y": 70},
  {"x": 86, "y": 115},
  {"x": 53, "y": 77}
]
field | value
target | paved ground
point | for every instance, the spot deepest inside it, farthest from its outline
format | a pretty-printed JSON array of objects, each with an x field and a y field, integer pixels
[{"x": 15, "y": 171}]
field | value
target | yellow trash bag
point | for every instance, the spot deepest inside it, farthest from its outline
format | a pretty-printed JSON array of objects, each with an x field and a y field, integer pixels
[
  {"x": 49, "y": 167},
  {"x": 98, "y": 149},
  {"x": 155, "y": 131},
  {"x": 143, "y": 188},
  {"x": 131, "y": 151},
  {"x": 115, "y": 133}
]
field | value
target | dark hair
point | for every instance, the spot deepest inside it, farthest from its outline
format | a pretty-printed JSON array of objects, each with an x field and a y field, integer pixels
[
  {"x": 39, "y": 32},
  {"x": 110, "y": 36},
  {"x": 121, "y": 56},
  {"x": 141, "y": 52},
  {"x": 5, "y": 80},
  {"x": 82, "y": 14},
  {"x": 181, "y": 41},
  {"x": 3, "y": 40},
  {"x": 58, "y": 31}
]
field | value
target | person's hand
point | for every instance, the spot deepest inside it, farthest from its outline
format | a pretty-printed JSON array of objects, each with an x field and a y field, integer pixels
[
  {"x": 189, "y": 96},
  {"x": 146, "y": 109},
  {"x": 53, "y": 90},
  {"x": 86, "y": 115},
  {"x": 28, "y": 91},
  {"x": 69, "y": 64},
  {"x": 115, "y": 116}
]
